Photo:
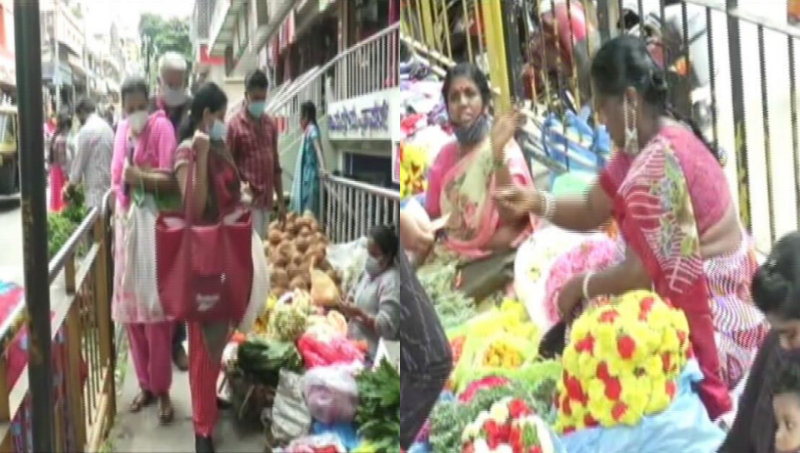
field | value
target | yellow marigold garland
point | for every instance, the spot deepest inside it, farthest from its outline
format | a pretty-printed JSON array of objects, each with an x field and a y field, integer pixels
[{"x": 622, "y": 362}]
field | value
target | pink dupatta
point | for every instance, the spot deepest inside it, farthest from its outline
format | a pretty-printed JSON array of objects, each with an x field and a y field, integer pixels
[{"x": 462, "y": 188}]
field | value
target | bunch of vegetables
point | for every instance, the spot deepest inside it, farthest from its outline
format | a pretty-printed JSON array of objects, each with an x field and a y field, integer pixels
[
  {"x": 294, "y": 249},
  {"x": 452, "y": 306},
  {"x": 378, "y": 413},
  {"x": 63, "y": 224},
  {"x": 262, "y": 359},
  {"x": 289, "y": 318}
]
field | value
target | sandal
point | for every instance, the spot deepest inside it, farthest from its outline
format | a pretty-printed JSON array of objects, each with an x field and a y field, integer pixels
[
  {"x": 166, "y": 413},
  {"x": 142, "y": 400}
]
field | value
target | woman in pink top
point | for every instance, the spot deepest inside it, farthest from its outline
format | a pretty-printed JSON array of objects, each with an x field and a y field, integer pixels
[
  {"x": 466, "y": 171},
  {"x": 667, "y": 191},
  {"x": 59, "y": 160},
  {"x": 142, "y": 179}
]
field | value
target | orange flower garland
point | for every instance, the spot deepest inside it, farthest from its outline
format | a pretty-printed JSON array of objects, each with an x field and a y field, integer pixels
[{"x": 622, "y": 362}]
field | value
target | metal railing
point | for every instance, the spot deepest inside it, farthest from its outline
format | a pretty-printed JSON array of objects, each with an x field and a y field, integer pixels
[
  {"x": 83, "y": 351},
  {"x": 350, "y": 208},
  {"x": 312, "y": 86},
  {"x": 379, "y": 73},
  {"x": 369, "y": 66},
  {"x": 732, "y": 61}
]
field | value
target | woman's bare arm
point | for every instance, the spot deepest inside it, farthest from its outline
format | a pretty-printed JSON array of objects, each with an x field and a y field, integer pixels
[
  {"x": 628, "y": 275},
  {"x": 581, "y": 213},
  {"x": 157, "y": 182},
  {"x": 200, "y": 190},
  {"x": 320, "y": 155}
]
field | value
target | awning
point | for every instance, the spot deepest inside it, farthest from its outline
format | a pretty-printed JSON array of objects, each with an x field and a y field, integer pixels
[
  {"x": 274, "y": 24},
  {"x": 223, "y": 24},
  {"x": 77, "y": 66}
]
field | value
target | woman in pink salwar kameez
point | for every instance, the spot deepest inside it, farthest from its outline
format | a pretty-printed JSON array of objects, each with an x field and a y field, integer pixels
[
  {"x": 142, "y": 172},
  {"x": 59, "y": 160},
  {"x": 466, "y": 172}
]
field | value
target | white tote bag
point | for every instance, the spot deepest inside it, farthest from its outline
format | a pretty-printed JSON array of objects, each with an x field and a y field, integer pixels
[
  {"x": 260, "y": 289},
  {"x": 140, "y": 267}
]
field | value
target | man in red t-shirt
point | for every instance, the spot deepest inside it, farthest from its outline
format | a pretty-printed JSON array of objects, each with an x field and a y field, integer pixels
[{"x": 253, "y": 142}]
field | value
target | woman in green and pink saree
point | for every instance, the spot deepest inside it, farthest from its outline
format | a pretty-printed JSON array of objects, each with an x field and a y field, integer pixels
[{"x": 467, "y": 170}]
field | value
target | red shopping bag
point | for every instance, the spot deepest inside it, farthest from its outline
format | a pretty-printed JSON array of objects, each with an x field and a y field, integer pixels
[{"x": 205, "y": 272}]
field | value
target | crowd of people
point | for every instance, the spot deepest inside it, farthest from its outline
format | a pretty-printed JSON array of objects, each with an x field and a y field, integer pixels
[
  {"x": 168, "y": 150},
  {"x": 679, "y": 236}
]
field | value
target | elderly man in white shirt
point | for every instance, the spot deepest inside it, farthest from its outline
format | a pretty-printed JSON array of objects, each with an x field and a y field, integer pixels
[{"x": 95, "y": 149}]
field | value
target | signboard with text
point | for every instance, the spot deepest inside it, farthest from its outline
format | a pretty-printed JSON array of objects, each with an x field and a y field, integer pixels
[{"x": 375, "y": 116}]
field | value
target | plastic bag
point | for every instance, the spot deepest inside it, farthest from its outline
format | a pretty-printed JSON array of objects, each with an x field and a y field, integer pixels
[
  {"x": 331, "y": 393},
  {"x": 323, "y": 289},
  {"x": 349, "y": 259},
  {"x": 346, "y": 432},
  {"x": 683, "y": 427},
  {"x": 337, "y": 350},
  {"x": 321, "y": 443},
  {"x": 290, "y": 416}
]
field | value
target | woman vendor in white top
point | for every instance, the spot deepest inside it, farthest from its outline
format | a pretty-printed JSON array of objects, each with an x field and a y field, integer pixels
[{"x": 373, "y": 306}]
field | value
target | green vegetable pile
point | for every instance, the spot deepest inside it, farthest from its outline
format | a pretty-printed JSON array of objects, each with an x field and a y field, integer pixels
[
  {"x": 288, "y": 321},
  {"x": 63, "y": 224},
  {"x": 452, "y": 306},
  {"x": 262, "y": 360},
  {"x": 378, "y": 412},
  {"x": 450, "y": 418}
]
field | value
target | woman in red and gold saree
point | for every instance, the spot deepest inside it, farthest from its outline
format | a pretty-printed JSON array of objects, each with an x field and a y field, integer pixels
[{"x": 679, "y": 225}]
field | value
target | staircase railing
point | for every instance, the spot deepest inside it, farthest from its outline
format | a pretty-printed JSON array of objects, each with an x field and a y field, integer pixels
[{"x": 350, "y": 208}]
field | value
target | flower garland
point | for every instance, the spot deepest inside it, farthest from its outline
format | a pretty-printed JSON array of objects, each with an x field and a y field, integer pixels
[
  {"x": 510, "y": 426},
  {"x": 413, "y": 166},
  {"x": 622, "y": 362}
]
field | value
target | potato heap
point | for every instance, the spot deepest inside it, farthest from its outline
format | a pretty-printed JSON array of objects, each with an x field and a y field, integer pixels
[{"x": 293, "y": 250}]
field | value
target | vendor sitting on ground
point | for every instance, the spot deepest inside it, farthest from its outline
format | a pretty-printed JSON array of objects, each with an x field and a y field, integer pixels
[
  {"x": 467, "y": 170},
  {"x": 373, "y": 306}
]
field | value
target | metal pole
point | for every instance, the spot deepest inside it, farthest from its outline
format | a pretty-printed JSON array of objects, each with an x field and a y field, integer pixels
[
  {"x": 740, "y": 128},
  {"x": 56, "y": 58},
  {"x": 34, "y": 219}
]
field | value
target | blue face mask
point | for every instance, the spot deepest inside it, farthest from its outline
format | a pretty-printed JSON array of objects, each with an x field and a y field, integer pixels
[
  {"x": 257, "y": 108},
  {"x": 217, "y": 131}
]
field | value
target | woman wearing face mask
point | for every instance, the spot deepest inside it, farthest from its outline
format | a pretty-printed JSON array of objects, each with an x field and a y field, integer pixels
[
  {"x": 217, "y": 190},
  {"x": 669, "y": 196},
  {"x": 466, "y": 171},
  {"x": 374, "y": 304},
  {"x": 776, "y": 292},
  {"x": 310, "y": 164},
  {"x": 141, "y": 172}
]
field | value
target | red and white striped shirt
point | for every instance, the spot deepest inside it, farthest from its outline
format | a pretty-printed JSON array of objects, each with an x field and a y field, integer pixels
[{"x": 253, "y": 143}]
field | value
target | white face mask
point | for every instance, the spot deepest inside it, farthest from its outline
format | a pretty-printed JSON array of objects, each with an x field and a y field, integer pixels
[
  {"x": 137, "y": 121},
  {"x": 173, "y": 97}
]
